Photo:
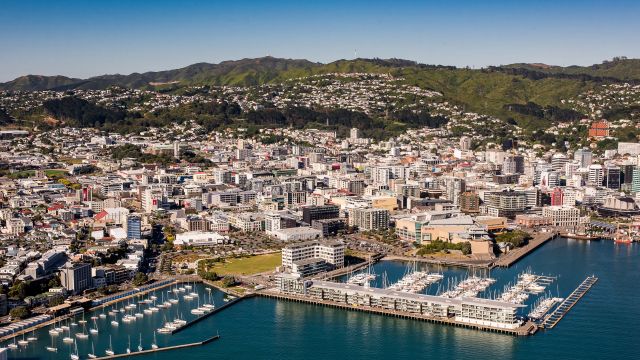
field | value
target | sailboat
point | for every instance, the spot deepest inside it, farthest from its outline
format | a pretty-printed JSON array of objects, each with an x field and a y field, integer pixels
[
  {"x": 92, "y": 354},
  {"x": 140, "y": 343},
  {"x": 23, "y": 342},
  {"x": 54, "y": 330},
  {"x": 109, "y": 350},
  {"x": 94, "y": 329},
  {"x": 197, "y": 310},
  {"x": 129, "y": 345},
  {"x": 52, "y": 348},
  {"x": 114, "y": 322},
  {"x": 102, "y": 315},
  {"x": 154, "y": 344},
  {"x": 68, "y": 339},
  {"x": 83, "y": 321},
  {"x": 83, "y": 335},
  {"x": 32, "y": 337},
  {"x": 13, "y": 345},
  {"x": 75, "y": 355}
]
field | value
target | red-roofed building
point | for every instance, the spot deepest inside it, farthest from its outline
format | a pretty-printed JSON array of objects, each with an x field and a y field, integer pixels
[{"x": 599, "y": 129}]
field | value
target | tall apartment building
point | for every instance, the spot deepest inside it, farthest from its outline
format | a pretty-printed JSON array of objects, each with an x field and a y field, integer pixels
[
  {"x": 453, "y": 187},
  {"x": 369, "y": 218},
  {"x": 505, "y": 203},
  {"x": 469, "y": 202},
  {"x": 596, "y": 175}
]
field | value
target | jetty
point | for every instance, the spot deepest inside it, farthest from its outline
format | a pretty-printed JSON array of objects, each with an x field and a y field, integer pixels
[
  {"x": 160, "y": 349},
  {"x": 552, "y": 319},
  {"x": 525, "y": 329},
  {"x": 214, "y": 311},
  {"x": 515, "y": 255}
]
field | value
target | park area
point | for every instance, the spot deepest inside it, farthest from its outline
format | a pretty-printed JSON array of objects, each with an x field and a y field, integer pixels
[{"x": 243, "y": 265}]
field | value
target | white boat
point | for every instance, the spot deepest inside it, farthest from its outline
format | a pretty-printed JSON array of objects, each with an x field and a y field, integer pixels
[
  {"x": 92, "y": 354},
  {"x": 94, "y": 329},
  {"x": 75, "y": 355},
  {"x": 154, "y": 344},
  {"x": 140, "y": 343},
  {"x": 139, "y": 315},
  {"x": 32, "y": 337},
  {"x": 164, "y": 330},
  {"x": 54, "y": 332},
  {"x": 13, "y": 345},
  {"x": 114, "y": 323},
  {"x": 51, "y": 349},
  {"x": 147, "y": 311},
  {"x": 23, "y": 342},
  {"x": 82, "y": 336},
  {"x": 129, "y": 345},
  {"x": 109, "y": 350},
  {"x": 67, "y": 340},
  {"x": 188, "y": 287}
]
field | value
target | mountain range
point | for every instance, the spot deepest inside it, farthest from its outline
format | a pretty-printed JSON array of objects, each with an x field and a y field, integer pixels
[{"x": 248, "y": 72}]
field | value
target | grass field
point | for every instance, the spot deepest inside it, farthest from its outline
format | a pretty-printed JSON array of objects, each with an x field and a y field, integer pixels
[{"x": 248, "y": 265}]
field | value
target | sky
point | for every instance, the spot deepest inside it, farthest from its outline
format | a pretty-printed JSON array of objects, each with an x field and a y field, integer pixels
[{"x": 94, "y": 37}]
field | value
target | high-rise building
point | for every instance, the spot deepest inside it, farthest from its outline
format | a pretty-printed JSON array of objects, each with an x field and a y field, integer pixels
[
  {"x": 76, "y": 277},
  {"x": 134, "y": 227},
  {"x": 513, "y": 164},
  {"x": 354, "y": 133},
  {"x": 465, "y": 143},
  {"x": 557, "y": 197},
  {"x": 612, "y": 177},
  {"x": 369, "y": 218},
  {"x": 635, "y": 183},
  {"x": 469, "y": 202},
  {"x": 584, "y": 156},
  {"x": 453, "y": 187},
  {"x": 596, "y": 175}
]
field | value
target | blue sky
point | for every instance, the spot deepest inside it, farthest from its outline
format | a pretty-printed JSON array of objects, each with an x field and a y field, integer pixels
[{"x": 94, "y": 37}]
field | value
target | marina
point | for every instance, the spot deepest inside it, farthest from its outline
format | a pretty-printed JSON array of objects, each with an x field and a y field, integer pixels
[{"x": 301, "y": 320}]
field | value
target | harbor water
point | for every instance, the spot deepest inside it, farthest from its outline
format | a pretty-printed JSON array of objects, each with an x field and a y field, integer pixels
[{"x": 600, "y": 326}]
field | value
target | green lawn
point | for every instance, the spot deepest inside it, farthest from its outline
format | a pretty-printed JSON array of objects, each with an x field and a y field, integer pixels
[{"x": 247, "y": 265}]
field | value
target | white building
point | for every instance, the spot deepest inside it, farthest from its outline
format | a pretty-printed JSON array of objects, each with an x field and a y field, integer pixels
[
  {"x": 331, "y": 252},
  {"x": 562, "y": 216},
  {"x": 200, "y": 238}
]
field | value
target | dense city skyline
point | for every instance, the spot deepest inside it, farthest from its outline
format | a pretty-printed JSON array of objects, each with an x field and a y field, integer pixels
[{"x": 84, "y": 39}]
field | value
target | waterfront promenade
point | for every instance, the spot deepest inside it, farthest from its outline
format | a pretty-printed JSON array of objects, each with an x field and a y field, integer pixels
[{"x": 513, "y": 256}]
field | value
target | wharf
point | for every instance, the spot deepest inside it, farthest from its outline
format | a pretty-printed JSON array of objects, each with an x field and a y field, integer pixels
[
  {"x": 526, "y": 329},
  {"x": 349, "y": 269},
  {"x": 214, "y": 311},
  {"x": 160, "y": 349},
  {"x": 515, "y": 255},
  {"x": 552, "y": 319}
]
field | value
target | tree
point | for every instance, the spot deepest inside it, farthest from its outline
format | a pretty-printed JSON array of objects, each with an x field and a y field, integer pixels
[
  {"x": 18, "y": 290},
  {"x": 229, "y": 281},
  {"x": 19, "y": 312},
  {"x": 140, "y": 279},
  {"x": 517, "y": 238},
  {"x": 56, "y": 300}
]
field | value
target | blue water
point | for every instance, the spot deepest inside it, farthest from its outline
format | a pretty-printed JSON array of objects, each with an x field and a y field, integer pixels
[{"x": 600, "y": 326}]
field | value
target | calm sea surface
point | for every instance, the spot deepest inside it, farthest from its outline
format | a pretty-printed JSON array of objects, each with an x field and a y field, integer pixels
[{"x": 603, "y": 325}]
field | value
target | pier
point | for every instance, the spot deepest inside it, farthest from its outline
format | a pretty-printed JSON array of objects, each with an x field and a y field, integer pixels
[
  {"x": 528, "y": 328},
  {"x": 515, "y": 255},
  {"x": 166, "y": 348},
  {"x": 214, "y": 311},
  {"x": 552, "y": 319}
]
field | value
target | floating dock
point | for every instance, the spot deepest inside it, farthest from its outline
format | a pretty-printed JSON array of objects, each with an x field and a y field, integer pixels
[
  {"x": 160, "y": 349},
  {"x": 552, "y": 319}
]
